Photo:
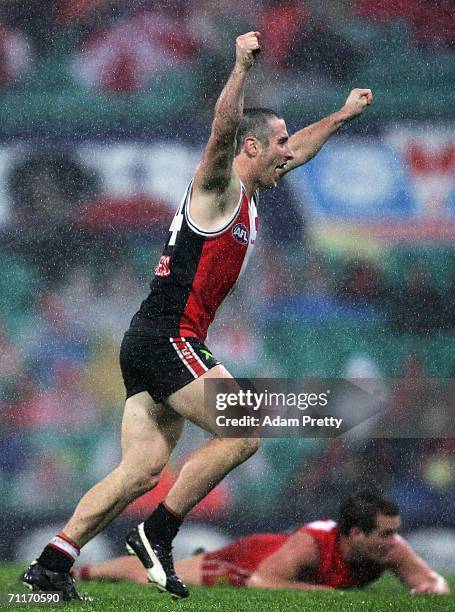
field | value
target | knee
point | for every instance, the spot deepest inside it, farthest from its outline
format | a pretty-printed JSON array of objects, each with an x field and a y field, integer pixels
[
  {"x": 138, "y": 482},
  {"x": 146, "y": 482}
]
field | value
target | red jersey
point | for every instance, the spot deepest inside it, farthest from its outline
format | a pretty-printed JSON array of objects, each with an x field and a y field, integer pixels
[
  {"x": 196, "y": 271},
  {"x": 235, "y": 563},
  {"x": 332, "y": 569}
]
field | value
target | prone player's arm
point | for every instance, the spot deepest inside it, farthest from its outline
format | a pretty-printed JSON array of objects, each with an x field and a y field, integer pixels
[
  {"x": 414, "y": 572},
  {"x": 307, "y": 142},
  {"x": 214, "y": 173},
  {"x": 282, "y": 569}
]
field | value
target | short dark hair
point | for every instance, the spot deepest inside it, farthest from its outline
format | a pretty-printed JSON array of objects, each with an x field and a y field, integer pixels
[
  {"x": 255, "y": 122},
  {"x": 361, "y": 510}
]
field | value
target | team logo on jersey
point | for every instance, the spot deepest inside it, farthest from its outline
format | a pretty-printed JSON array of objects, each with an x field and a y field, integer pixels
[
  {"x": 241, "y": 233},
  {"x": 162, "y": 268}
]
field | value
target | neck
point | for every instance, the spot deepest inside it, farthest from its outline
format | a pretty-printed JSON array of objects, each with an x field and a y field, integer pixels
[{"x": 245, "y": 173}]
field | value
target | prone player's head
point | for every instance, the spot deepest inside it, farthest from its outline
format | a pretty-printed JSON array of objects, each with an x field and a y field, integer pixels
[
  {"x": 370, "y": 522},
  {"x": 262, "y": 137}
]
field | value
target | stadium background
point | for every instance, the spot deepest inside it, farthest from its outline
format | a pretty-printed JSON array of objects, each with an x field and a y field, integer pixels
[{"x": 105, "y": 107}]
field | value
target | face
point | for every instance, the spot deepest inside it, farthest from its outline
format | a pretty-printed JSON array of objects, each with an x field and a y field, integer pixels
[
  {"x": 377, "y": 544},
  {"x": 272, "y": 157}
]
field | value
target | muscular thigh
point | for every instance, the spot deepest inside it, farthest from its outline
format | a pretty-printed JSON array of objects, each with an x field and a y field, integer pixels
[
  {"x": 150, "y": 430},
  {"x": 189, "y": 401}
]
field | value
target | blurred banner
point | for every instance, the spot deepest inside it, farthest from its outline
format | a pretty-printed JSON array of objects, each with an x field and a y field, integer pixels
[
  {"x": 130, "y": 173},
  {"x": 397, "y": 187}
]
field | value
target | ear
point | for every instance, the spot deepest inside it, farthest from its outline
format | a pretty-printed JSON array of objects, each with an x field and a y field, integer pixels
[
  {"x": 354, "y": 532},
  {"x": 251, "y": 146}
]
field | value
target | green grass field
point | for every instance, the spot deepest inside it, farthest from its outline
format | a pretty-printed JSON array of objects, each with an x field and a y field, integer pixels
[{"x": 386, "y": 594}]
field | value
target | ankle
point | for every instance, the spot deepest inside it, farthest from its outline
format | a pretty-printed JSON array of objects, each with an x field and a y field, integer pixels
[
  {"x": 162, "y": 524},
  {"x": 60, "y": 554}
]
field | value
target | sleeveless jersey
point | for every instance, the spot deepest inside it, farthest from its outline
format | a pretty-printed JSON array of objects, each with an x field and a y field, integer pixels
[
  {"x": 196, "y": 271},
  {"x": 235, "y": 563},
  {"x": 332, "y": 569}
]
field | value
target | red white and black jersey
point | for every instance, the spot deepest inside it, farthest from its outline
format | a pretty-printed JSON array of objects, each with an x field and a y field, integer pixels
[{"x": 196, "y": 271}]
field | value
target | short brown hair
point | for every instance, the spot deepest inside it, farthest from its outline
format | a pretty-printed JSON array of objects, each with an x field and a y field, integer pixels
[
  {"x": 361, "y": 510},
  {"x": 255, "y": 122}
]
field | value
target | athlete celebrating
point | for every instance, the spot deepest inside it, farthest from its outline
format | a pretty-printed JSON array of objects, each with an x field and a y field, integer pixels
[
  {"x": 323, "y": 554},
  {"x": 163, "y": 359}
]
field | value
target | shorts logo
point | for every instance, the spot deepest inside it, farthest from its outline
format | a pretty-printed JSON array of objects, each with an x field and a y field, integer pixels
[
  {"x": 207, "y": 354},
  {"x": 241, "y": 233},
  {"x": 186, "y": 353}
]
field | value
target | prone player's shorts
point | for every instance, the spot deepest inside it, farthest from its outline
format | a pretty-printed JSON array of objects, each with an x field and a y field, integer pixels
[
  {"x": 161, "y": 365},
  {"x": 222, "y": 568},
  {"x": 233, "y": 564}
]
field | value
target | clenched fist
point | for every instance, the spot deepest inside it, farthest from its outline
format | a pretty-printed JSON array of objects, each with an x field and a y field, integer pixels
[
  {"x": 357, "y": 101},
  {"x": 246, "y": 47},
  {"x": 438, "y": 586}
]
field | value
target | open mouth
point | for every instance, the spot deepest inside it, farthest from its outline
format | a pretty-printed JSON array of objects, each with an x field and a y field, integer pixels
[{"x": 282, "y": 166}]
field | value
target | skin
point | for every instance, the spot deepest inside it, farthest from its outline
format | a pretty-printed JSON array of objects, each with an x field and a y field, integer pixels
[
  {"x": 150, "y": 431},
  {"x": 282, "y": 569}
]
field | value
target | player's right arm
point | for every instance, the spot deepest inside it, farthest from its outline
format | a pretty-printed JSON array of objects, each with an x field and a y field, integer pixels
[
  {"x": 216, "y": 188},
  {"x": 283, "y": 569}
]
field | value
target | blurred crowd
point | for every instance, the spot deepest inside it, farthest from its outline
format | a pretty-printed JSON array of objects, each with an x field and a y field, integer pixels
[
  {"x": 67, "y": 294},
  {"x": 120, "y": 46},
  {"x": 76, "y": 266}
]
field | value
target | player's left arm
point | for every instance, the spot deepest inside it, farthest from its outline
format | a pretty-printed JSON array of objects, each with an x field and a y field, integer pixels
[
  {"x": 414, "y": 572},
  {"x": 307, "y": 142}
]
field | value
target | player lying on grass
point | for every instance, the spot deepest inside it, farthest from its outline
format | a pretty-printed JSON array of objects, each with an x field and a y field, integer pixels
[{"x": 323, "y": 554}]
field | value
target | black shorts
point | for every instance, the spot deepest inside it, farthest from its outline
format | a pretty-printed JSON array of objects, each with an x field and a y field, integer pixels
[{"x": 160, "y": 365}]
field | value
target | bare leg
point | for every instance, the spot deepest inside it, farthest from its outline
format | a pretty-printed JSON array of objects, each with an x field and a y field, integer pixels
[
  {"x": 149, "y": 433},
  {"x": 151, "y": 540},
  {"x": 190, "y": 569},
  {"x": 205, "y": 468},
  {"x": 208, "y": 465},
  {"x": 120, "y": 568},
  {"x": 132, "y": 570}
]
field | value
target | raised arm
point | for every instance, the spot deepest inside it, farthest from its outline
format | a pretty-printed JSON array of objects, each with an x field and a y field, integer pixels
[
  {"x": 307, "y": 142},
  {"x": 214, "y": 173},
  {"x": 283, "y": 569},
  {"x": 414, "y": 572}
]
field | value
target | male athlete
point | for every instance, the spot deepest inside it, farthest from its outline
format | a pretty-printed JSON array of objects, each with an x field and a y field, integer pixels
[
  {"x": 320, "y": 555},
  {"x": 163, "y": 358}
]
